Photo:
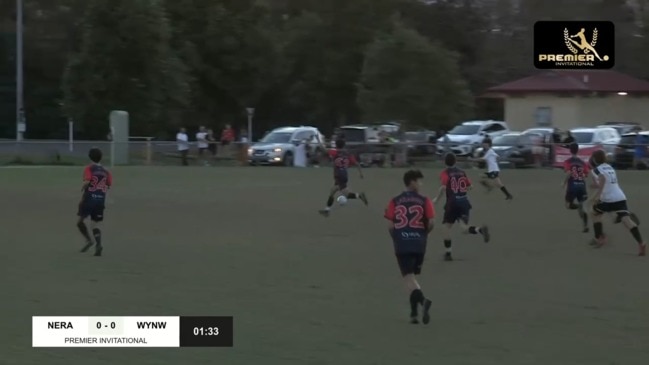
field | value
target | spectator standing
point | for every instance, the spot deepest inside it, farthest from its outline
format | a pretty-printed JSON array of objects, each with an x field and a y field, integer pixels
[
  {"x": 201, "y": 138},
  {"x": 569, "y": 139},
  {"x": 227, "y": 137},
  {"x": 182, "y": 141},
  {"x": 211, "y": 143},
  {"x": 244, "y": 138}
]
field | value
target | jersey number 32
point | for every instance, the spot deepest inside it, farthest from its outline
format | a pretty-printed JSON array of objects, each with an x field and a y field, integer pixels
[{"x": 411, "y": 217}]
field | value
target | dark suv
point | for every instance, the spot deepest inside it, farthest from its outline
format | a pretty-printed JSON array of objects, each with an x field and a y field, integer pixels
[{"x": 626, "y": 150}]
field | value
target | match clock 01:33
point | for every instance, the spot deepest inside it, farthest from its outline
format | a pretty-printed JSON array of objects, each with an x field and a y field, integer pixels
[{"x": 206, "y": 331}]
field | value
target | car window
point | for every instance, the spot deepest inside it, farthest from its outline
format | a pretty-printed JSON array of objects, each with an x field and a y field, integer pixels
[
  {"x": 494, "y": 128},
  {"x": 301, "y": 135}
]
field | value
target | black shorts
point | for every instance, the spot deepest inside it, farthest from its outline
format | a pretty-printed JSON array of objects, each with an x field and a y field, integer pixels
[
  {"x": 577, "y": 193},
  {"x": 202, "y": 150},
  {"x": 456, "y": 212},
  {"x": 619, "y": 207},
  {"x": 93, "y": 210},
  {"x": 410, "y": 263},
  {"x": 492, "y": 174},
  {"x": 341, "y": 182}
]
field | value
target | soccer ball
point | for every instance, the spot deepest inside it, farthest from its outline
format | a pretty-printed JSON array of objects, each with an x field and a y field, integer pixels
[{"x": 342, "y": 200}]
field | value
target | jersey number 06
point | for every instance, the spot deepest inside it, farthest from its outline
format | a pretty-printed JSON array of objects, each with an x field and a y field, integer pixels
[{"x": 410, "y": 217}]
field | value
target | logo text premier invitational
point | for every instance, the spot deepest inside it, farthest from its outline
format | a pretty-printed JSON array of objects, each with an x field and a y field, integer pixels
[{"x": 573, "y": 45}]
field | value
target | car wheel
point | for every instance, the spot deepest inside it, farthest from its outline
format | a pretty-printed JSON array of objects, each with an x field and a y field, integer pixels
[{"x": 288, "y": 159}]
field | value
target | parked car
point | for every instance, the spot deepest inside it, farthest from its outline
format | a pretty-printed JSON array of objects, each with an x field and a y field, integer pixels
[
  {"x": 606, "y": 137},
  {"x": 278, "y": 146},
  {"x": 466, "y": 137},
  {"x": 626, "y": 150},
  {"x": 512, "y": 148},
  {"x": 621, "y": 127},
  {"x": 420, "y": 143}
]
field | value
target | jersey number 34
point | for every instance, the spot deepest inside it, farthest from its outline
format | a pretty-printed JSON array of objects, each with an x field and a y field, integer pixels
[
  {"x": 98, "y": 185},
  {"x": 411, "y": 217}
]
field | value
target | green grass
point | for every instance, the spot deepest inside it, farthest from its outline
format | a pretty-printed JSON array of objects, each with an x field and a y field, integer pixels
[{"x": 303, "y": 289}]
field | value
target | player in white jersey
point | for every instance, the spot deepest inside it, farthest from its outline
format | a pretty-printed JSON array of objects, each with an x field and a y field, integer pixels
[
  {"x": 610, "y": 198},
  {"x": 492, "y": 176}
]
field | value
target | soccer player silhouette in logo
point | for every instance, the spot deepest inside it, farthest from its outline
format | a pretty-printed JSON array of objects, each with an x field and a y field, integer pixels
[{"x": 583, "y": 43}]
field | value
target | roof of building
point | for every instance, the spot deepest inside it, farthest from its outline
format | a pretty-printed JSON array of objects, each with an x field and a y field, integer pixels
[{"x": 573, "y": 81}]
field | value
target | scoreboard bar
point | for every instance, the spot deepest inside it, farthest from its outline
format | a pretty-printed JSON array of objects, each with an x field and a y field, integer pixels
[{"x": 178, "y": 331}]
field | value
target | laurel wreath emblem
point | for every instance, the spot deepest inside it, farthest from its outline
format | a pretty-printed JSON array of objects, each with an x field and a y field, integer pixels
[{"x": 566, "y": 40}]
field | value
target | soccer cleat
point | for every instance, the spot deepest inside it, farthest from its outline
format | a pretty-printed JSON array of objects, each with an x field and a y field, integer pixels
[
  {"x": 585, "y": 230},
  {"x": 448, "y": 257},
  {"x": 598, "y": 242},
  {"x": 98, "y": 250},
  {"x": 484, "y": 230},
  {"x": 426, "y": 315},
  {"x": 643, "y": 250},
  {"x": 509, "y": 197},
  {"x": 87, "y": 246},
  {"x": 414, "y": 320},
  {"x": 324, "y": 212},
  {"x": 363, "y": 198}
]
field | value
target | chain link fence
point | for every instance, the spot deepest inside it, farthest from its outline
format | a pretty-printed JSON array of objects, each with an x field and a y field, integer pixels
[{"x": 161, "y": 153}]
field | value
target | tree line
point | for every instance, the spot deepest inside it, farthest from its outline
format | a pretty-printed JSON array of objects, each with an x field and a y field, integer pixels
[{"x": 173, "y": 63}]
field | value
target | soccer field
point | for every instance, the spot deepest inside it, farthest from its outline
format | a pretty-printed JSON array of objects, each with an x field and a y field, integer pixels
[{"x": 304, "y": 289}]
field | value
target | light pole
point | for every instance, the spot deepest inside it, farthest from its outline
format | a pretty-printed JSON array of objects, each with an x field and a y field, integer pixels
[
  {"x": 251, "y": 114},
  {"x": 20, "y": 110}
]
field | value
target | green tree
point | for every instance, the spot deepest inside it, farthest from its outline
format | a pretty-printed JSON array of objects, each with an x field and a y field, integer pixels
[
  {"x": 406, "y": 77},
  {"x": 125, "y": 62}
]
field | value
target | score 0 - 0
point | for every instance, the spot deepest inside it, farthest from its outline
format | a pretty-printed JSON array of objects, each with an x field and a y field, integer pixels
[{"x": 105, "y": 326}]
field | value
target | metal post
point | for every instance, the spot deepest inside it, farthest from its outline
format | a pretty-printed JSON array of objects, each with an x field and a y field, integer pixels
[
  {"x": 20, "y": 112},
  {"x": 71, "y": 134},
  {"x": 251, "y": 114}
]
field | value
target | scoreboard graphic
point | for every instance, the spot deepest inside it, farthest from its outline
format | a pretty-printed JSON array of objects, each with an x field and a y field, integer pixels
[{"x": 180, "y": 331}]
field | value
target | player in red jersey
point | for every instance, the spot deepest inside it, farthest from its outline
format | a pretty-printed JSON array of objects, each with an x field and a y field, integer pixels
[
  {"x": 342, "y": 160},
  {"x": 575, "y": 184},
  {"x": 96, "y": 182},
  {"x": 411, "y": 220},
  {"x": 455, "y": 184}
]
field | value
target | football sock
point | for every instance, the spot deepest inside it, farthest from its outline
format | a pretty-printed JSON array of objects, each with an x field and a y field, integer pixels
[
  {"x": 573, "y": 206},
  {"x": 599, "y": 229},
  {"x": 84, "y": 231},
  {"x": 584, "y": 217},
  {"x": 96, "y": 232},
  {"x": 504, "y": 190},
  {"x": 416, "y": 298},
  {"x": 330, "y": 201},
  {"x": 447, "y": 245},
  {"x": 636, "y": 234},
  {"x": 474, "y": 230},
  {"x": 352, "y": 195}
]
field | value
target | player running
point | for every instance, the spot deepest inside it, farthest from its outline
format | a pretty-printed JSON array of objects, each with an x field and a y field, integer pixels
[
  {"x": 577, "y": 172},
  {"x": 342, "y": 159},
  {"x": 610, "y": 198},
  {"x": 492, "y": 176},
  {"x": 96, "y": 182},
  {"x": 456, "y": 185},
  {"x": 411, "y": 220}
]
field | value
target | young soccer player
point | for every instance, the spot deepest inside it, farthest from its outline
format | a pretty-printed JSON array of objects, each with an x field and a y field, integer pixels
[
  {"x": 492, "y": 176},
  {"x": 610, "y": 198},
  {"x": 577, "y": 172},
  {"x": 342, "y": 159},
  {"x": 96, "y": 182},
  {"x": 410, "y": 217},
  {"x": 456, "y": 185}
]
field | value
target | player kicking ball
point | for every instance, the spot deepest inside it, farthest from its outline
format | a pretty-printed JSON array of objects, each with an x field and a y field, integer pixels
[
  {"x": 610, "y": 198},
  {"x": 410, "y": 217},
  {"x": 456, "y": 185},
  {"x": 492, "y": 176},
  {"x": 342, "y": 160},
  {"x": 577, "y": 172},
  {"x": 96, "y": 182}
]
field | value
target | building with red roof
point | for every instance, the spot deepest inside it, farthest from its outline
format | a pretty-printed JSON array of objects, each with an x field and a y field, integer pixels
[{"x": 570, "y": 98}]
